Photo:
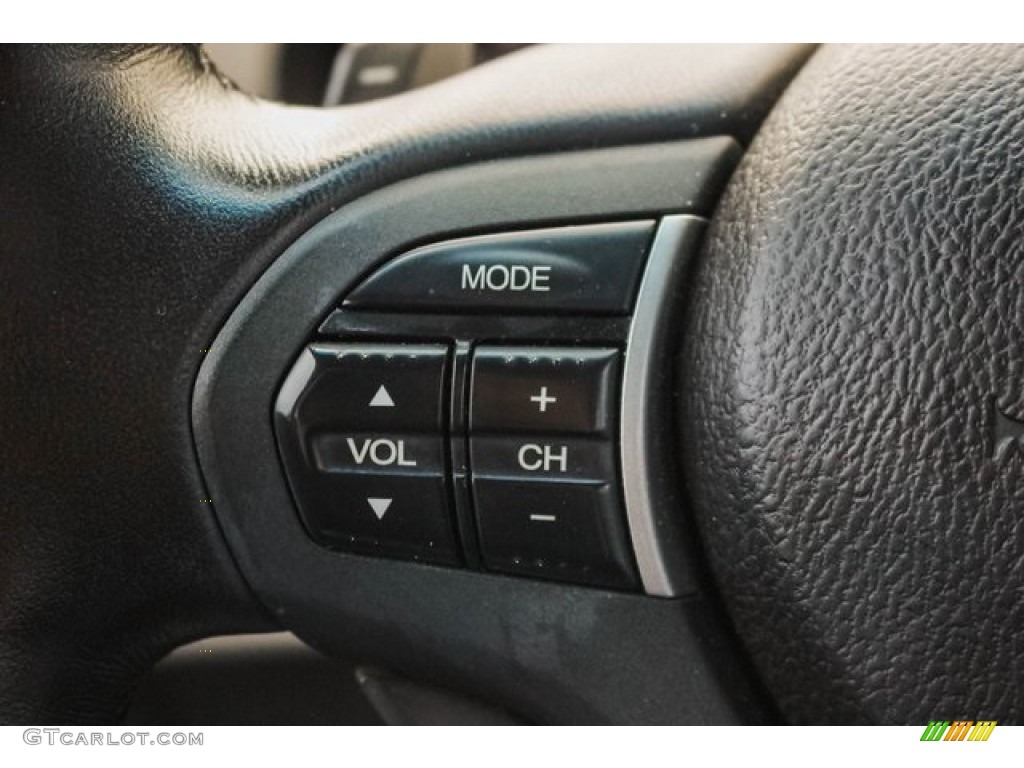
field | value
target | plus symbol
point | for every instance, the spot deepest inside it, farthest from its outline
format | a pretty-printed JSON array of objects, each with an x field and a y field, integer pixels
[{"x": 542, "y": 399}]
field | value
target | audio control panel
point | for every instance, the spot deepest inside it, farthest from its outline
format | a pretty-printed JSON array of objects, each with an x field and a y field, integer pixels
[
  {"x": 366, "y": 437},
  {"x": 462, "y": 406}
]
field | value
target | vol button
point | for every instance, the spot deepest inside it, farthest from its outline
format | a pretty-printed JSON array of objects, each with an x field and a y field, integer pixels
[
  {"x": 381, "y": 452},
  {"x": 379, "y": 506},
  {"x": 382, "y": 399},
  {"x": 390, "y": 454},
  {"x": 366, "y": 388},
  {"x": 398, "y": 515}
]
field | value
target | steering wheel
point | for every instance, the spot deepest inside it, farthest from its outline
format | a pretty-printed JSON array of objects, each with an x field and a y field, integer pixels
[{"x": 824, "y": 476}]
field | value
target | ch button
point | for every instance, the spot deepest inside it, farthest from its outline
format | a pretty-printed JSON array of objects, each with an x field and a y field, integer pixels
[
  {"x": 544, "y": 390},
  {"x": 544, "y": 468},
  {"x": 540, "y": 457}
]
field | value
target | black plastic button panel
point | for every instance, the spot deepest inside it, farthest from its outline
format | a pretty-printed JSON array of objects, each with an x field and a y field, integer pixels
[
  {"x": 486, "y": 441},
  {"x": 543, "y": 459},
  {"x": 361, "y": 433}
]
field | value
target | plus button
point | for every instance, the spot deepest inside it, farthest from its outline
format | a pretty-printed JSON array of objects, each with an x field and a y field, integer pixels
[{"x": 543, "y": 399}]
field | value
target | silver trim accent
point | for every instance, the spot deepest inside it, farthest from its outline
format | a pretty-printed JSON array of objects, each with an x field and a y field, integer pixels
[
  {"x": 657, "y": 549},
  {"x": 341, "y": 69}
]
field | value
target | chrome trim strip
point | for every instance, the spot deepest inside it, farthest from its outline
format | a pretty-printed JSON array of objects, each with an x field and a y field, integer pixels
[
  {"x": 658, "y": 552},
  {"x": 341, "y": 69}
]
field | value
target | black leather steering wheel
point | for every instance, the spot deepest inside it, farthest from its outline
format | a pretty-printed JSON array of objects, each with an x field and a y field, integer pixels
[{"x": 846, "y": 449}]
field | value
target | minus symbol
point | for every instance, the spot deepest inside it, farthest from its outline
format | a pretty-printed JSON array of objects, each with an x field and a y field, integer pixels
[{"x": 543, "y": 518}]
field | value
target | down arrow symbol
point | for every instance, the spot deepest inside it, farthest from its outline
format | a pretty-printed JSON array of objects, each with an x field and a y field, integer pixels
[{"x": 379, "y": 506}]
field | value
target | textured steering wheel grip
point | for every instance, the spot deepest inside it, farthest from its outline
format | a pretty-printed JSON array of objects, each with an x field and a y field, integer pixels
[
  {"x": 855, "y": 349},
  {"x": 140, "y": 195}
]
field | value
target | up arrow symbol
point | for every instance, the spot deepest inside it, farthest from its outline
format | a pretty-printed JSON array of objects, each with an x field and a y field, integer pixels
[
  {"x": 380, "y": 507},
  {"x": 382, "y": 399}
]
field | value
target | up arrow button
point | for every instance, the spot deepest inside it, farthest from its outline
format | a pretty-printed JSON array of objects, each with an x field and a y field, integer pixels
[
  {"x": 382, "y": 399},
  {"x": 378, "y": 389}
]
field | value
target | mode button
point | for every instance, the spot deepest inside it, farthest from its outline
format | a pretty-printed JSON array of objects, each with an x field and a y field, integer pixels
[{"x": 584, "y": 269}]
